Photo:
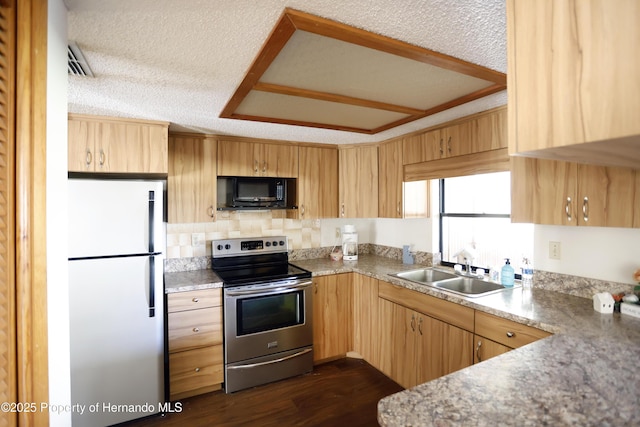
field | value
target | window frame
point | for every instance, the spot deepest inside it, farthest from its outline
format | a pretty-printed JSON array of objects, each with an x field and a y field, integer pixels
[{"x": 442, "y": 214}]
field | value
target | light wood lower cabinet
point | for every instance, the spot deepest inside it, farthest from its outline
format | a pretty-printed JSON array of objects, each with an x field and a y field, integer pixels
[
  {"x": 496, "y": 335},
  {"x": 332, "y": 318},
  {"x": 486, "y": 349},
  {"x": 416, "y": 343},
  {"x": 196, "y": 363},
  {"x": 366, "y": 327}
]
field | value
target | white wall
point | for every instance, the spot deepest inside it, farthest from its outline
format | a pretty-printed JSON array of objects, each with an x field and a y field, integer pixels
[
  {"x": 610, "y": 254},
  {"x": 382, "y": 231},
  {"x": 57, "y": 273}
]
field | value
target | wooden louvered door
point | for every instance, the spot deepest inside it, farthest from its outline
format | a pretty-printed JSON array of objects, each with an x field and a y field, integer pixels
[
  {"x": 8, "y": 370},
  {"x": 23, "y": 279}
]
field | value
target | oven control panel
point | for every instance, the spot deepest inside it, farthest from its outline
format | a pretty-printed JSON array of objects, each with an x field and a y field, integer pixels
[{"x": 248, "y": 246}]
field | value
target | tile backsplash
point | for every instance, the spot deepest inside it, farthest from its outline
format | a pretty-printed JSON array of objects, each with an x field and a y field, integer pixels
[{"x": 194, "y": 239}]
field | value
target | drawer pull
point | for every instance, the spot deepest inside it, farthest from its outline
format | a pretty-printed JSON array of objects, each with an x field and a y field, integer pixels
[
  {"x": 196, "y": 300},
  {"x": 511, "y": 334},
  {"x": 196, "y": 329},
  {"x": 197, "y": 369}
]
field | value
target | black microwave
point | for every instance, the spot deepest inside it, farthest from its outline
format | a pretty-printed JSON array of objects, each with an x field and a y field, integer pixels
[{"x": 246, "y": 192}]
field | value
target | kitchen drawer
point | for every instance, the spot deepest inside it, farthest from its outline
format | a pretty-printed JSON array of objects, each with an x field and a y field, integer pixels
[
  {"x": 190, "y": 300},
  {"x": 195, "y": 372},
  {"x": 506, "y": 332},
  {"x": 195, "y": 328}
]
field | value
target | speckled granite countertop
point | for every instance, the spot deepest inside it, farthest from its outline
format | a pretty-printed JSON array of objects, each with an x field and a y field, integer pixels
[
  {"x": 191, "y": 281},
  {"x": 585, "y": 374}
]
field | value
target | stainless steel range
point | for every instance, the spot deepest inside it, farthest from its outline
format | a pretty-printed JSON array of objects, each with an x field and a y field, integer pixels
[{"x": 268, "y": 331}]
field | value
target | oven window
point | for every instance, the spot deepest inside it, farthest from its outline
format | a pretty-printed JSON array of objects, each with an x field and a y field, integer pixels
[{"x": 269, "y": 312}]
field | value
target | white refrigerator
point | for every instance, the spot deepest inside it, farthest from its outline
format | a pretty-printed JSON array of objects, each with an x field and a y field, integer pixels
[{"x": 116, "y": 257}]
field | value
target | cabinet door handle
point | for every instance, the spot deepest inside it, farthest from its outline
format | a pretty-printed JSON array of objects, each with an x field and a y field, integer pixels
[
  {"x": 449, "y": 145},
  {"x": 196, "y": 329},
  {"x": 315, "y": 290},
  {"x": 510, "y": 334},
  {"x": 567, "y": 208},
  {"x": 342, "y": 210},
  {"x": 399, "y": 208},
  {"x": 255, "y": 166},
  {"x": 102, "y": 157},
  {"x": 88, "y": 158},
  {"x": 264, "y": 167},
  {"x": 420, "y": 325},
  {"x": 211, "y": 212},
  {"x": 585, "y": 209},
  {"x": 302, "y": 210},
  {"x": 478, "y": 351},
  {"x": 441, "y": 149},
  {"x": 413, "y": 322}
]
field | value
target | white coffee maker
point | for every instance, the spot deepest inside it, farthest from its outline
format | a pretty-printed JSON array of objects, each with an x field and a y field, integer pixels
[{"x": 349, "y": 243}]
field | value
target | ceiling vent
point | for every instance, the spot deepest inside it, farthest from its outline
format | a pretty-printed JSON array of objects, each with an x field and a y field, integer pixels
[{"x": 77, "y": 65}]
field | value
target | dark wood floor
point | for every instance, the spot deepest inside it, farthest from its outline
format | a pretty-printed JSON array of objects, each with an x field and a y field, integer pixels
[{"x": 344, "y": 392}]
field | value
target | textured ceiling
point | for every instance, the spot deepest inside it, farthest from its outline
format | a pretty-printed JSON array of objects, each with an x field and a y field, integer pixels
[{"x": 181, "y": 60}]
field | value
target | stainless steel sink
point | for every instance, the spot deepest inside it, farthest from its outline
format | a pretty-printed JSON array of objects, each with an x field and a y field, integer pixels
[
  {"x": 425, "y": 275},
  {"x": 465, "y": 286},
  {"x": 469, "y": 286}
]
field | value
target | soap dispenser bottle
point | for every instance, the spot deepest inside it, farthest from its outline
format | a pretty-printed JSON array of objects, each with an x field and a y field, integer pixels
[{"x": 507, "y": 275}]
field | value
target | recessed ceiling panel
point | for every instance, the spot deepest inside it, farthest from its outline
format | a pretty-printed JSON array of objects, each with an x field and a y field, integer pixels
[
  {"x": 315, "y": 72},
  {"x": 333, "y": 66},
  {"x": 301, "y": 110}
]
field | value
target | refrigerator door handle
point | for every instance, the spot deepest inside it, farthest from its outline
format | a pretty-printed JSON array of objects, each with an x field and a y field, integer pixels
[
  {"x": 151, "y": 221},
  {"x": 152, "y": 285}
]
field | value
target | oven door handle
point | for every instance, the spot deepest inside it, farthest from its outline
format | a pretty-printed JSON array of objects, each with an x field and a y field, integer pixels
[
  {"x": 268, "y": 290},
  {"x": 269, "y": 362}
]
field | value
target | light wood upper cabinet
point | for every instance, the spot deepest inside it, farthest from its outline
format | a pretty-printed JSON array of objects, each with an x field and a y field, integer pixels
[
  {"x": 108, "y": 145},
  {"x": 332, "y": 316},
  {"x": 191, "y": 183},
  {"x": 489, "y": 131},
  {"x": 479, "y": 133},
  {"x": 240, "y": 158},
  {"x": 563, "y": 193},
  {"x": 573, "y": 80},
  {"x": 358, "y": 185},
  {"x": 390, "y": 173},
  {"x": 398, "y": 199},
  {"x": 318, "y": 183}
]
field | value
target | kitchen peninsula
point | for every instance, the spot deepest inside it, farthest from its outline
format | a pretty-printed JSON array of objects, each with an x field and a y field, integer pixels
[{"x": 583, "y": 374}]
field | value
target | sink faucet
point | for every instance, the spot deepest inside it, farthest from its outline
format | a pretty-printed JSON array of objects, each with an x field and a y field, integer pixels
[
  {"x": 468, "y": 261},
  {"x": 469, "y": 254}
]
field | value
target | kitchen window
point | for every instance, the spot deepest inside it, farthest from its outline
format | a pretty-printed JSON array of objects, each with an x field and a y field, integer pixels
[{"x": 475, "y": 212}]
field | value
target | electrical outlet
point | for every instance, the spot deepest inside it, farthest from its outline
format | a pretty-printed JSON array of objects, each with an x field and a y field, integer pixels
[
  {"x": 554, "y": 250},
  {"x": 337, "y": 232}
]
